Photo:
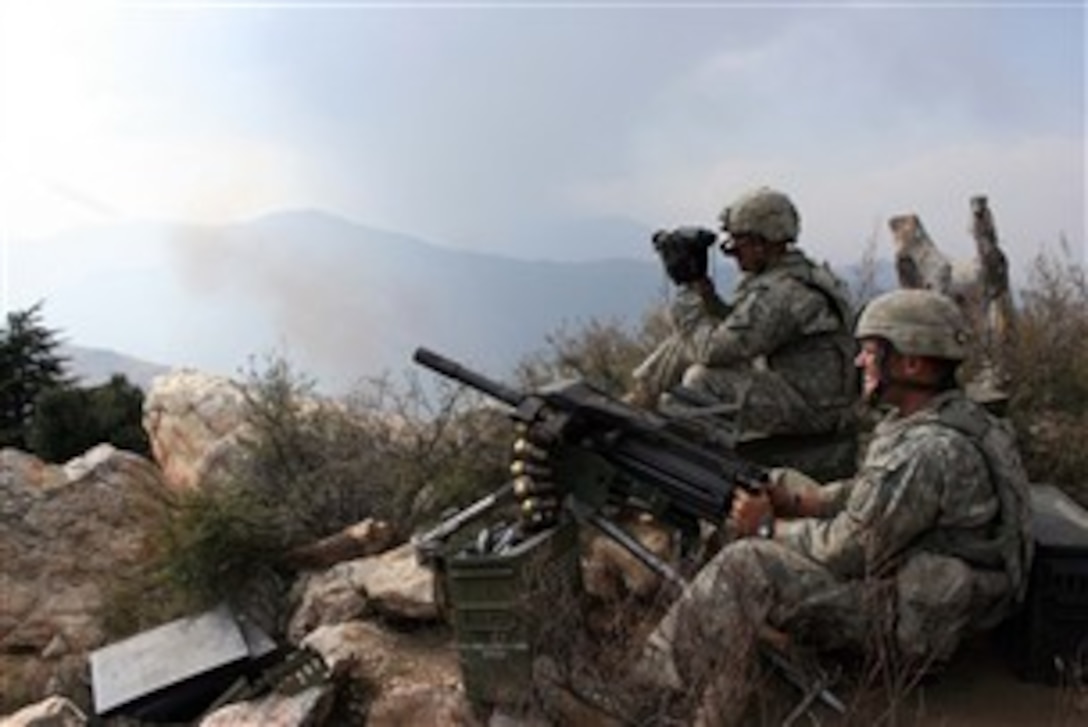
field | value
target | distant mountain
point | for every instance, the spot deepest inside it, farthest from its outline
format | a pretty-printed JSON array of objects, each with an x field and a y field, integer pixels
[
  {"x": 338, "y": 300},
  {"x": 589, "y": 239},
  {"x": 94, "y": 366}
]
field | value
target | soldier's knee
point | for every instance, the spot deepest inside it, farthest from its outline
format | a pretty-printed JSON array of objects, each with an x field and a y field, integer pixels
[
  {"x": 695, "y": 377},
  {"x": 743, "y": 558},
  {"x": 933, "y": 605},
  {"x": 754, "y": 549}
]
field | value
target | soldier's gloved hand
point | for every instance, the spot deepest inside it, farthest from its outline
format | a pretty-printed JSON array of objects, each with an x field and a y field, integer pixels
[
  {"x": 535, "y": 489},
  {"x": 684, "y": 252}
]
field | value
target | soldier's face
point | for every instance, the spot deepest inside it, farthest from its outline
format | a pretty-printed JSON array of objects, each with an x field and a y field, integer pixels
[
  {"x": 870, "y": 362},
  {"x": 749, "y": 253}
]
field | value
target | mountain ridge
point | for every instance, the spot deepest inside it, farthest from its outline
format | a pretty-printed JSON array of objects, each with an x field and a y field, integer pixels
[
  {"x": 96, "y": 366},
  {"x": 337, "y": 299}
]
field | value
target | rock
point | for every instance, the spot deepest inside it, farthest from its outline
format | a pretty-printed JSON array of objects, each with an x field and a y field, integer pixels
[
  {"x": 397, "y": 585},
  {"x": 29, "y": 472},
  {"x": 328, "y": 598},
  {"x": 422, "y": 705},
  {"x": 394, "y": 582},
  {"x": 308, "y": 708},
  {"x": 612, "y": 573},
  {"x": 55, "y": 648},
  {"x": 65, "y": 533},
  {"x": 56, "y": 711},
  {"x": 361, "y": 648},
  {"x": 194, "y": 422},
  {"x": 389, "y": 662},
  {"x": 500, "y": 718}
]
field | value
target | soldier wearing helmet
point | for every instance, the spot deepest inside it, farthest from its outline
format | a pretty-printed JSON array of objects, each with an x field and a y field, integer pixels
[
  {"x": 780, "y": 350},
  {"x": 930, "y": 541},
  {"x": 912, "y": 342},
  {"x": 759, "y": 225}
]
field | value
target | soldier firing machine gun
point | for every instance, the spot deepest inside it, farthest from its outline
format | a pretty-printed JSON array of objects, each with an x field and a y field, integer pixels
[{"x": 582, "y": 451}]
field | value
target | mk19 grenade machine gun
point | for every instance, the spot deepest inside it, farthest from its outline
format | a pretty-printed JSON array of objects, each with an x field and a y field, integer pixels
[{"x": 512, "y": 591}]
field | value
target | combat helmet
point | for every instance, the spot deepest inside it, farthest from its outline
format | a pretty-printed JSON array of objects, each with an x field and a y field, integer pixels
[
  {"x": 917, "y": 323},
  {"x": 765, "y": 212}
]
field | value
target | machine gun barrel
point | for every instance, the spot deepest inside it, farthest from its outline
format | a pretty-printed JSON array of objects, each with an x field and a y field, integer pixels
[
  {"x": 453, "y": 370},
  {"x": 683, "y": 475}
]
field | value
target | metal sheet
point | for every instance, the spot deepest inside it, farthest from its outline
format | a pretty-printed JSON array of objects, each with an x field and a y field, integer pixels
[
  {"x": 258, "y": 642},
  {"x": 1059, "y": 522},
  {"x": 164, "y": 656}
]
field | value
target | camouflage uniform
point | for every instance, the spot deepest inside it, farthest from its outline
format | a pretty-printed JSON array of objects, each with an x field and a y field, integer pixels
[
  {"x": 781, "y": 351},
  {"x": 933, "y": 530}
]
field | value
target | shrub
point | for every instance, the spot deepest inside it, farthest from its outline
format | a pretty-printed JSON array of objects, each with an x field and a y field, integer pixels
[
  {"x": 1047, "y": 361},
  {"x": 311, "y": 466},
  {"x": 67, "y": 421},
  {"x": 602, "y": 352}
]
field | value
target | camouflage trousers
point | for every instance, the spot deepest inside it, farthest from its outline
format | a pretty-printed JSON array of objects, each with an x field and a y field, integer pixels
[
  {"x": 713, "y": 627},
  {"x": 706, "y": 644},
  {"x": 756, "y": 401},
  {"x": 764, "y": 403}
]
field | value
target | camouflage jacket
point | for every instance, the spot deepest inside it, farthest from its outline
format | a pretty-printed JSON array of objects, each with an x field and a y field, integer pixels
[
  {"x": 793, "y": 319},
  {"x": 946, "y": 480}
]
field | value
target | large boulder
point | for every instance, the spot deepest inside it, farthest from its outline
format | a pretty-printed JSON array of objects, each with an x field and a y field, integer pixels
[
  {"x": 66, "y": 533},
  {"x": 194, "y": 421},
  {"x": 392, "y": 584}
]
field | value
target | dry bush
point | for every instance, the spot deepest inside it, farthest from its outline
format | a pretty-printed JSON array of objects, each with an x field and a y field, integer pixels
[
  {"x": 867, "y": 281},
  {"x": 602, "y": 352},
  {"x": 310, "y": 467},
  {"x": 431, "y": 451},
  {"x": 1048, "y": 364}
]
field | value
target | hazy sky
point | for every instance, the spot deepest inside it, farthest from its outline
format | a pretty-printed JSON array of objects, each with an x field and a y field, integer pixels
[{"x": 463, "y": 122}]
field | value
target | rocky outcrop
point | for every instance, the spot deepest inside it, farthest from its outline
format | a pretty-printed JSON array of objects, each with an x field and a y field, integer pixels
[
  {"x": 65, "y": 533},
  {"x": 194, "y": 422}
]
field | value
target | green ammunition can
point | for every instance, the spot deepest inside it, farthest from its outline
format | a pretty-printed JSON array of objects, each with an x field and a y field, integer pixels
[{"x": 509, "y": 607}]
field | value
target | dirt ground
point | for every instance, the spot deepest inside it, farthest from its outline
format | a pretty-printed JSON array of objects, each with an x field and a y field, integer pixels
[{"x": 980, "y": 688}]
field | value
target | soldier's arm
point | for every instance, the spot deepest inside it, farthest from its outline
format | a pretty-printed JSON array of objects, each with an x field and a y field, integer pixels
[
  {"x": 888, "y": 507},
  {"x": 713, "y": 305},
  {"x": 796, "y": 495},
  {"x": 760, "y": 322},
  {"x": 697, "y": 305}
]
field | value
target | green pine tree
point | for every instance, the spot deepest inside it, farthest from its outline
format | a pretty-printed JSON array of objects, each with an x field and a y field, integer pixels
[{"x": 30, "y": 364}]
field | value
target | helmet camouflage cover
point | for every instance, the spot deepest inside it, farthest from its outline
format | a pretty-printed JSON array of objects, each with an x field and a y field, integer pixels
[
  {"x": 765, "y": 212},
  {"x": 918, "y": 323}
]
